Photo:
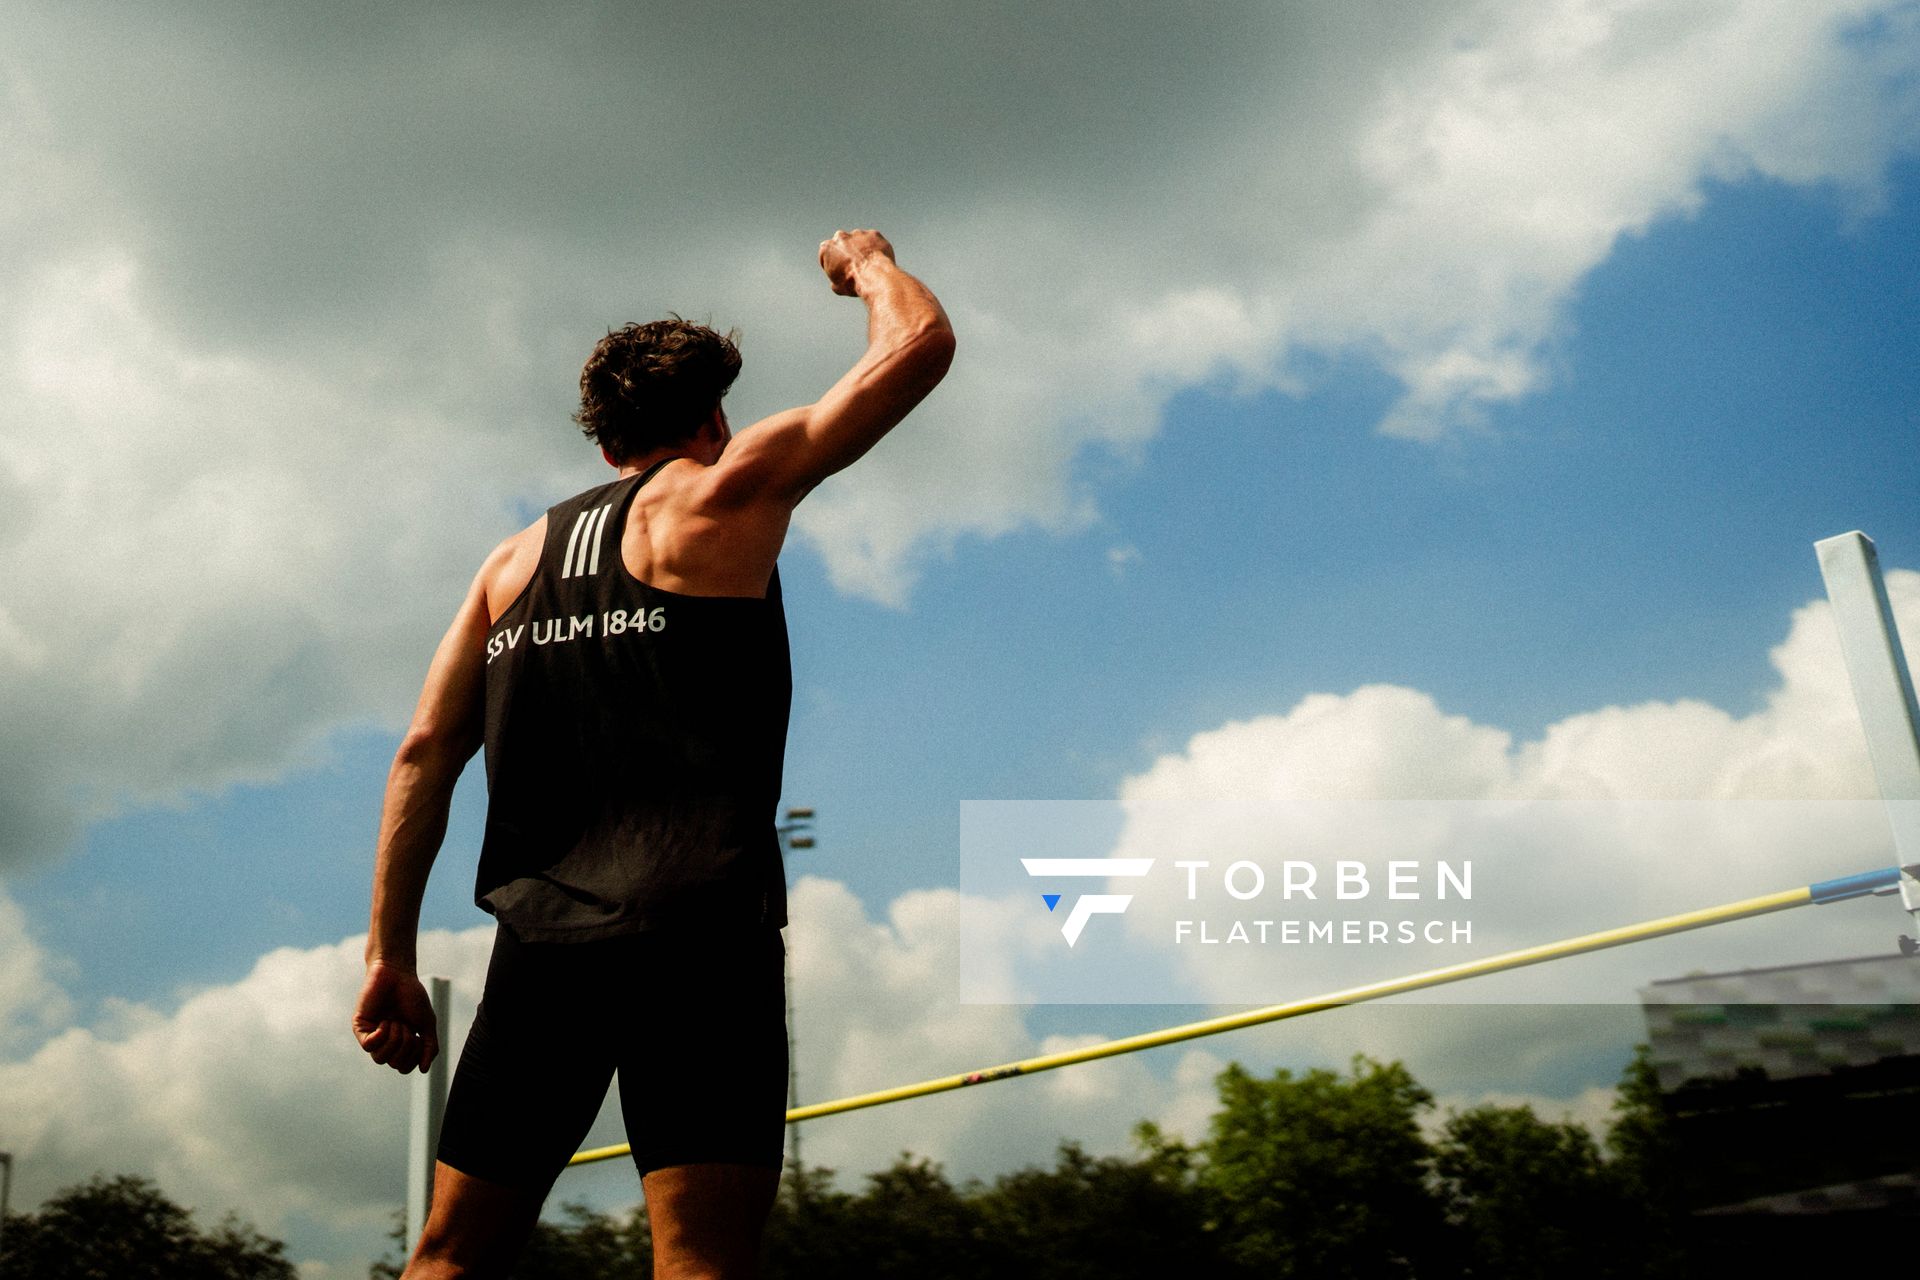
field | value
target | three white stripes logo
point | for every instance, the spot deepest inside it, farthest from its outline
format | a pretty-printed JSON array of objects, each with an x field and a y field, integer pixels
[{"x": 583, "y": 544}]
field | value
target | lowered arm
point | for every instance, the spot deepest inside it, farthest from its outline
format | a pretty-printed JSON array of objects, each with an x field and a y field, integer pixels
[{"x": 394, "y": 1020}]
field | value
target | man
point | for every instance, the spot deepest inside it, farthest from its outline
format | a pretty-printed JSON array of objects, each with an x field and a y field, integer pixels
[{"x": 624, "y": 662}]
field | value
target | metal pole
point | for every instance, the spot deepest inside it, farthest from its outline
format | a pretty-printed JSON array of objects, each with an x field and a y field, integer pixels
[
  {"x": 793, "y": 1073},
  {"x": 429, "y": 1106},
  {"x": 6, "y": 1194},
  {"x": 796, "y": 832},
  {"x": 1883, "y": 690}
]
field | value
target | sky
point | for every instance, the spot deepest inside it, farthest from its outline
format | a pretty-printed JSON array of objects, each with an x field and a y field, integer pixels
[{"x": 1368, "y": 399}]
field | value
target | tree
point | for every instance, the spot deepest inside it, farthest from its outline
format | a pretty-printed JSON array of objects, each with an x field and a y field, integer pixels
[
  {"x": 1528, "y": 1198},
  {"x": 587, "y": 1245},
  {"x": 1645, "y": 1170},
  {"x": 1640, "y": 1139},
  {"x": 126, "y": 1229},
  {"x": 1094, "y": 1218},
  {"x": 911, "y": 1221},
  {"x": 1323, "y": 1176},
  {"x": 1316, "y": 1175}
]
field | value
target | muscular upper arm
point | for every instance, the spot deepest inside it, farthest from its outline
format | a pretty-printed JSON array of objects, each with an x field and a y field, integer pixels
[
  {"x": 508, "y": 570},
  {"x": 783, "y": 457},
  {"x": 450, "y": 720},
  {"x": 451, "y": 716}
]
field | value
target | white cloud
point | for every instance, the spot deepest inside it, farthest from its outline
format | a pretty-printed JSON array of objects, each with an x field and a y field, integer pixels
[
  {"x": 279, "y": 384},
  {"x": 32, "y": 1002},
  {"x": 250, "y": 1096},
  {"x": 209, "y": 560},
  {"x": 877, "y": 1005},
  {"x": 1614, "y": 816},
  {"x": 266, "y": 387},
  {"x": 1432, "y": 201}
]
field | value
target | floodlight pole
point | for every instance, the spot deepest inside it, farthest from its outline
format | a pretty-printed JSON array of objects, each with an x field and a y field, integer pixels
[
  {"x": 1883, "y": 689},
  {"x": 6, "y": 1194},
  {"x": 429, "y": 1106}
]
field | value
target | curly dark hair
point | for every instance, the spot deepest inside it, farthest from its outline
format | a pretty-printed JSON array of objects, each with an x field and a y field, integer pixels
[{"x": 646, "y": 385}]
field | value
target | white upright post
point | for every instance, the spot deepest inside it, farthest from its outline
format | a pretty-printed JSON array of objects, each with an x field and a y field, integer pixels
[
  {"x": 429, "y": 1105},
  {"x": 1883, "y": 688}
]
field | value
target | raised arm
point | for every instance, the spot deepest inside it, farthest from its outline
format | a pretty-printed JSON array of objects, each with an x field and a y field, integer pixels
[
  {"x": 393, "y": 1020},
  {"x": 909, "y": 349}
]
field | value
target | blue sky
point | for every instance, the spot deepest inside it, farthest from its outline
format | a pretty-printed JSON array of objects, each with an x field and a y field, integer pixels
[
  {"x": 1513, "y": 358},
  {"x": 1732, "y": 386}
]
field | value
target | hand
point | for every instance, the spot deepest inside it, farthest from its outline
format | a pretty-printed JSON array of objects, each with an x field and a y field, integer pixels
[
  {"x": 394, "y": 1020},
  {"x": 843, "y": 256}
]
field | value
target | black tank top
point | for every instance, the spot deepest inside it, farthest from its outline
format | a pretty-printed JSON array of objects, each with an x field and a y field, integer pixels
[{"x": 635, "y": 739}]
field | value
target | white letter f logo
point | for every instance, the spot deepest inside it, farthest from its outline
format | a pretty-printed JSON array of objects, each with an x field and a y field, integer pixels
[{"x": 1090, "y": 904}]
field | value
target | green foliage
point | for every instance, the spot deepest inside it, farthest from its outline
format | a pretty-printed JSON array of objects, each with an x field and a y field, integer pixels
[
  {"x": 1092, "y": 1218},
  {"x": 124, "y": 1229},
  {"x": 1640, "y": 1138},
  {"x": 1086, "y": 1217},
  {"x": 1528, "y": 1198},
  {"x": 584, "y": 1245},
  {"x": 1315, "y": 1175},
  {"x": 1645, "y": 1170},
  {"x": 587, "y": 1246},
  {"x": 1322, "y": 1175},
  {"x": 910, "y": 1222},
  {"x": 390, "y": 1267}
]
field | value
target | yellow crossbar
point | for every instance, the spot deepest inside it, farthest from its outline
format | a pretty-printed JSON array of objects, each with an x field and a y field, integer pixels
[{"x": 1299, "y": 1008}]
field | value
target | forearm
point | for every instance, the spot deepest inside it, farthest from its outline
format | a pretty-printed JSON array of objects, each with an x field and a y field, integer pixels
[
  {"x": 901, "y": 311},
  {"x": 910, "y": 347},
  {"x": 413, "y": 822}
]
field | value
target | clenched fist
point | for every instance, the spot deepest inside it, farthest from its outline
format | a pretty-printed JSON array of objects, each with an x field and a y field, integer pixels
[
  {"x": 843, "y": 256},
  {"x": 394, "y": 1021}
]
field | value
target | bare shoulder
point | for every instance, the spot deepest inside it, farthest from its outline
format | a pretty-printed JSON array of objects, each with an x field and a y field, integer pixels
[
  {"x": 759, "y": 465},
  {"x": 509, "y": 567},
  {"x": 710, "y": 528}
]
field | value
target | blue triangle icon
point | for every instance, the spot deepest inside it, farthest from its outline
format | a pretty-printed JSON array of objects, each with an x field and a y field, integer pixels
[{"x": 1051, "y": 899}]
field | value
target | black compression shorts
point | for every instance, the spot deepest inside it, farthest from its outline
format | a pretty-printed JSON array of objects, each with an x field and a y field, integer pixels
[{"x": 693, "y": 1024}]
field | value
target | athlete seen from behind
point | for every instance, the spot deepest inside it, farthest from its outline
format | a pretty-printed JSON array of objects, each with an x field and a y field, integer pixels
[{"x": 624, "y": 663}]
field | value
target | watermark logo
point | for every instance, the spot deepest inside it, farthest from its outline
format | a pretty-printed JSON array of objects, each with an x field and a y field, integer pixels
[
  {"x": 1087, "y": 905},
  {"x": 1267, "y": 901}
]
